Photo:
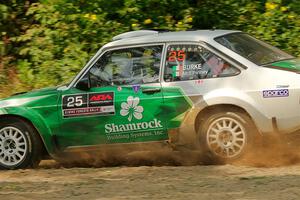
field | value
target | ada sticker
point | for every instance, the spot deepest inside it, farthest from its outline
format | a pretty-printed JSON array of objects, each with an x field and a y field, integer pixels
[
  {"x": 88, "y": 104},
  {"x": 275, "y": 93},
  {"x": 101, "y": 99}
]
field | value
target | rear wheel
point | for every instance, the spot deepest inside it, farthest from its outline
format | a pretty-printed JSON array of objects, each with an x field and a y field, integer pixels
[
  {"x": 20, "y": 145},
  {"x": 226, "y": 136}
]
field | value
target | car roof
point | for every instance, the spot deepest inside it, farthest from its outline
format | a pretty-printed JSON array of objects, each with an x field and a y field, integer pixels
[{"x": 150, "y": 36}]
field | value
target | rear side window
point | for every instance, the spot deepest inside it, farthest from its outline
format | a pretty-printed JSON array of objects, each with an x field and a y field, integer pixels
[
  {"x": 192, "y": 62},
  {"x": 252, "y": 49}
]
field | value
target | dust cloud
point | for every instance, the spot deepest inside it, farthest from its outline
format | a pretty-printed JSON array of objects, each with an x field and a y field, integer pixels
[
  {"x": 143, "y": 155},
  {"x": 272, "y": 151}
]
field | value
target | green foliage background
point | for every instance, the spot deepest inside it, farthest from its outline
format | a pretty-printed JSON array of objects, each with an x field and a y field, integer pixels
[{"x": 46, "y": 42}]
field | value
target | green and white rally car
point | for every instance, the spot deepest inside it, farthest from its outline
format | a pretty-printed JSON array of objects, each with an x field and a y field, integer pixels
[{"x": 209, "y": 89}]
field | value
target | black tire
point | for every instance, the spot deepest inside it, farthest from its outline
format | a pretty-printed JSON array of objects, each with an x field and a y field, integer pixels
[
  {"x": 221, "y": 145},
  {"x": 24, "y": 136}
]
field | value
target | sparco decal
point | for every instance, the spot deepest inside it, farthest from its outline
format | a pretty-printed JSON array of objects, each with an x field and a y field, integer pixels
[
  {"x": 275, "y": 93},
  {"x": 88, "y": 104}
]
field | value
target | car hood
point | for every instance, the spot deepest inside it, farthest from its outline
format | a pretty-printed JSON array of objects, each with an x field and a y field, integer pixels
[
  {"x": 288, "y": 65},
  {"x": 26, "y": 97}
]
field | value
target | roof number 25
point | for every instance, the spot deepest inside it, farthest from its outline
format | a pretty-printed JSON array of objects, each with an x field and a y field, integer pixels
[{"x": 176, "y": 55}]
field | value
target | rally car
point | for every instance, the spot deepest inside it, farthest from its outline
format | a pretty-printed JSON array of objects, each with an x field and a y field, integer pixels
[{"x": 214, "y": 90}]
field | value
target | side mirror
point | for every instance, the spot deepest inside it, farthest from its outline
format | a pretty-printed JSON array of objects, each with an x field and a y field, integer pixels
[{"x": 84, "y": 84}]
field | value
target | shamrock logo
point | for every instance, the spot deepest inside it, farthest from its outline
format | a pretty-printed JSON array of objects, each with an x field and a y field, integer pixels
[{"x": 131, "y": 108}]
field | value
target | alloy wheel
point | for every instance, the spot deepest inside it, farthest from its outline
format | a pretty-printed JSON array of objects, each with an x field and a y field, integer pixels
[
  {"x": 226, "y": 137},
  {"x": 13, "y": 146}
]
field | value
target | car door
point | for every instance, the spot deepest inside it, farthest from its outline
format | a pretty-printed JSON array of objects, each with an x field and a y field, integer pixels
[
  {"x": 123, "y": 103},
  {"x": 191, "y": 70}
]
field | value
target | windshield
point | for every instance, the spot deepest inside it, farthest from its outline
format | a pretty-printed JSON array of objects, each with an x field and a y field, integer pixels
[{"x": 252, "y": 49}]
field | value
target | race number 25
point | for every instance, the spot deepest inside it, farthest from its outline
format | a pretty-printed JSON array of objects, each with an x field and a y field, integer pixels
[{"x": 74, "y": 101}]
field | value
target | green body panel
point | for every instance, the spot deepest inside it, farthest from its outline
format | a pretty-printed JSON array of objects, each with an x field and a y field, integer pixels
[
  {"x": 176, "y": 104},
  {"x": 115, "y": 128},
  {"x": 148, "y": 118},
  {"x": 293, "y": 65},
  {"x": 40, "y": 108},
  {"x": 90, "y": 130}
]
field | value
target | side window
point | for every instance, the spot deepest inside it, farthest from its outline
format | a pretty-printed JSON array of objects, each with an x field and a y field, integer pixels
[
  {"x": 138, "y": 65},
  {"x": 191, "y": 62}
]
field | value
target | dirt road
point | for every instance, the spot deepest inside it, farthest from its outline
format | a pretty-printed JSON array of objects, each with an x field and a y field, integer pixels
[
  {"x": 166, "y": 182},
  {"x": 273, "y": 173}
]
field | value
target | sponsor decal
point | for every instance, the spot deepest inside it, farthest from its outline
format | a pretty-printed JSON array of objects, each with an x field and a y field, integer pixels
[
  {"x": 132, "y": 110},
  {"x": 101, "y": 99},
  {"x": 136, "y": 88},
  {"x": 275, "y": 93},
  {"x": 135, "y": 135},
  {"x": 119, "y": 88},
  {"x": 282, "y": 86},
  {"x": 116, "y": 128},
  {"x": 88, "y": 104}
]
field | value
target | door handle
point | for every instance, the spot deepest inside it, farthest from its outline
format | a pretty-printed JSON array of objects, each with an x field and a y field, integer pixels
[{"x": 151, "y": 90}]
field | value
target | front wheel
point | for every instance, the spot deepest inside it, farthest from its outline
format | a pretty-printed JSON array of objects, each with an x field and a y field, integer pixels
[
  {"x": 226, "y": 135},
  {"x": 20, "y": 146}
]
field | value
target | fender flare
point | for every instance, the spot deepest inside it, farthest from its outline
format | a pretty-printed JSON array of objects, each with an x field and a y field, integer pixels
[
  {"x": 36, "y": 121},
  {"x": 238, "y": 99}
]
